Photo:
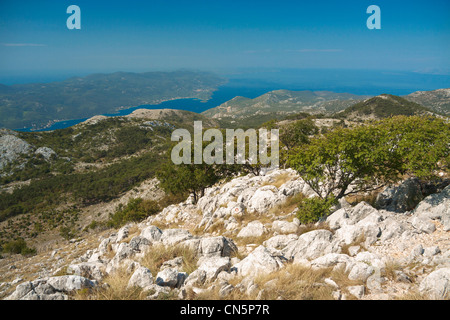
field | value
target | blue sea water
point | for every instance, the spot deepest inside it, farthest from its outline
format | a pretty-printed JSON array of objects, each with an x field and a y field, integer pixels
[
  {"x": 252, "y": 84},
  {"x": 223, "y": 94}
]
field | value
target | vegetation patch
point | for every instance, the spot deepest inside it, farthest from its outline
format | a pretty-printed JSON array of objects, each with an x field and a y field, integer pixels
[
  {"x": 136, "y": 210},
  {"x": 311, "y": 210},
  {"x": 18, "y": 246}
]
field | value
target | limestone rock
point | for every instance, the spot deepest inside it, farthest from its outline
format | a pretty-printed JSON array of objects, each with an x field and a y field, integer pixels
[
  {"x": 436, "y": 206},
  {"x": 151, "y": 233},
  {"x": 280, "y": 241},
  {"x": 261, "y": 260},
  {"x": 437, "y": 284},
  {"x": 284, "y": 227},
  {"x": 310, "y": 245},
  {"x": 361, "y": 271},
  {"x": 402, "y": 198},
  {"x": 170, "y": 278},
  {"x": 253, "y": 229},
  {"x": 54, "y": 288},
  {"x": 423, "y": 224},
  {"x": 142, "y": 278},
  {"x": 213, "y": 266},
  {"x": 263, "y": 199}
]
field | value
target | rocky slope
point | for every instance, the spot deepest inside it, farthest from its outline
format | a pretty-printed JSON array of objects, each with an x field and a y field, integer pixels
[{"x": 246, "y": 243}]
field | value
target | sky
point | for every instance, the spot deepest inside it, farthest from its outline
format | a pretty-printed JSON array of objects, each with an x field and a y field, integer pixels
[{"x": 217, "y": 35}]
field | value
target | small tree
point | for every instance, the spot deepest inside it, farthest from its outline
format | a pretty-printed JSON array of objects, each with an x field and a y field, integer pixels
[
  {"x": 192, "y": 178},
  {"x": 351, "y": 160}
]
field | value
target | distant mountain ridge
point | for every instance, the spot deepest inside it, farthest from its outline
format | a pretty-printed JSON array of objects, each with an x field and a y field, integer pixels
[
  {"x": 37, "y": 104},
  {"x": 285, "y": 102}
]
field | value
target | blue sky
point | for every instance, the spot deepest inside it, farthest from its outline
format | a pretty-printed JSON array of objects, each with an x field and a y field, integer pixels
[{"x": 222, "y": 35}]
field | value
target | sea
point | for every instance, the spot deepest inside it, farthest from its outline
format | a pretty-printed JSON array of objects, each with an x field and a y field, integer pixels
[{"x": 252, "y": 84}]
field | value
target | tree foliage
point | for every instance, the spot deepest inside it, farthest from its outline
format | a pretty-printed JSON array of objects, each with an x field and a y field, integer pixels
[
  {"x": 192, "y": 178},
  {"x": 364, "y": 158},
  {"x": 311, "y": 210},
  {"x": 297, "y": 133}
]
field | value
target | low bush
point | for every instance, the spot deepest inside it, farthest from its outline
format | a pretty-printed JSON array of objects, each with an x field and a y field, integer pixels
[
  {"x": 18, "y": 246},
  {"x": 311, "y": 210},
  {"x": 136, "y": 210}
]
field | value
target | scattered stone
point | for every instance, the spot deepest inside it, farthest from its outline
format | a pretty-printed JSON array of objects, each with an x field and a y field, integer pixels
[
  {"x": 54, "y": 288},
  {"x": 310, "y": 245},
  {"x": 423, "y": 224},
  {"x": 353, "y": 250},
  {"x": 284, "y": 227},
  {"x": 361, "y": 271},
  {"x": 213, "y": 266}
]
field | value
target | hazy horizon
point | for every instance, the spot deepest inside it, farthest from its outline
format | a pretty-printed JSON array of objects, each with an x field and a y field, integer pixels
[{"x": 362, "y": 82}]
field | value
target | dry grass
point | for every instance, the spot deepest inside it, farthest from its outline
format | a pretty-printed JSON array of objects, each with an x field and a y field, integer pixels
[
  {"x": 132, "y": 232},
  {"x": 370, "y": 198},
  {"x": 304, "y": 228},
  {"x": 288, "y": 206},
  {"x": 390, "y": 268},
  {"x": 160, "y": 224},
  {"x": 413, "y": 295},
  {"x": 291, "y": 283},
  {"x": 109, "y": 252},
  {"x": 217, "y": 227},
  {"x": 279, "y": 180},
  {"x": 295, "y": 283},
  {"x": 159, "y": 254},
  {"x": 248, "y": 217},
  {"x": 342, "y": 280},
  {"x": 253, "y": 240},
  {"x": 358, "y": 242},
  {"x": 116, "y": 288}
]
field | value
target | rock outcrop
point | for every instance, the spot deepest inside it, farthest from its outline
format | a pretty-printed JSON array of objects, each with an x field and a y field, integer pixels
[{"x": 244, "y": 228}]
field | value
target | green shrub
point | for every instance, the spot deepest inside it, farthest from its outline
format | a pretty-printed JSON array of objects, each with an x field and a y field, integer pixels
[
  {"x": 67, "y": 232},
  {"x": 370, "y": 156},
  {"x": 135, "y": 211},
  {"x": 18, "y": 246},
  {"x": 311, "y": 210}
]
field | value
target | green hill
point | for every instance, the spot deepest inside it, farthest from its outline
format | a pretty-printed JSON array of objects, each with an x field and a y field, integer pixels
[
  {"x": 283, "y": 102},
  {"x": 382, "y": 106},
  {"x": 47, "y": 178}
]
